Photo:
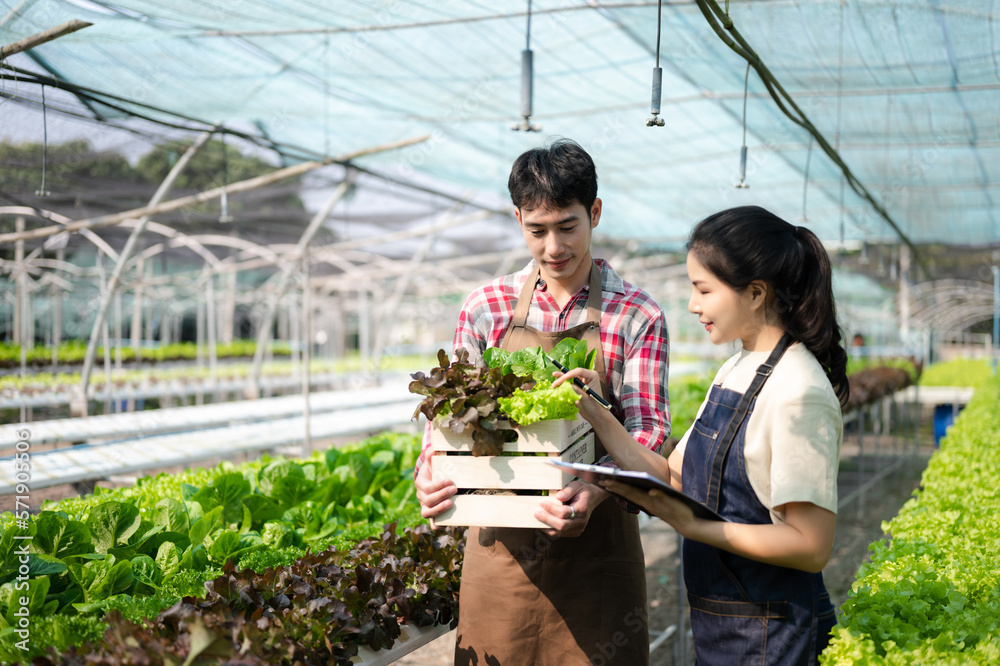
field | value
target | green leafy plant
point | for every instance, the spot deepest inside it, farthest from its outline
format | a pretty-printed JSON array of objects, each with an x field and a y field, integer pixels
[
  {"x": 533, "y": 362},
  {"x": 164, "y": 537},
  {"x": 541, "y": 402},
  {"x": 686, "y": 395},
  {"x": 460, "y": 396},
  {"x": 931, "y": 591},
  {"x": 319, "y": 609},
  {"x": 958, "y": 372}
]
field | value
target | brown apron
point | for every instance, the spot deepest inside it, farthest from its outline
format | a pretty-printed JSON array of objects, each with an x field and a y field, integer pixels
[{"x": 528, "y": 598}]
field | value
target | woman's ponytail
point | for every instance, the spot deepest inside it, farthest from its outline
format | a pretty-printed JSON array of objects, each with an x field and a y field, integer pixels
[
  {"x": 740, "y": 245},
  {"x": 812, "y": 319}
]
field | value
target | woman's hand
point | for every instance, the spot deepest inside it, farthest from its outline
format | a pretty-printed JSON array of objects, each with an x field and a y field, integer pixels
[
  {"x": 658, "y": 503},
  {"x": 434, "y": 496},
  {"x": 803, "y": 542},
  {"x": 589, "y": 408}
]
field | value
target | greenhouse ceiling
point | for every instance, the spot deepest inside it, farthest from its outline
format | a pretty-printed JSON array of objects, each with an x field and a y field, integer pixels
[{"x": 892, "y": 131}]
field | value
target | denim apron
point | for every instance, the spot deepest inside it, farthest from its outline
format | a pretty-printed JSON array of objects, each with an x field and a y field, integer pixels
[
  {"x": 530, "y": 599},
  {"x": 744, "y": 611}
]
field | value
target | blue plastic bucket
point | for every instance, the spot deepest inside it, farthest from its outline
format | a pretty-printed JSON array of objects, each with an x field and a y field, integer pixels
[{"x": 944, "y": 416}]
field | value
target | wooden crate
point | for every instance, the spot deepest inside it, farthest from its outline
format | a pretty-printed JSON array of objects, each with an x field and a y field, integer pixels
[
  {"x": 505, "y": 473},
  {"x": 542, "y": 437}
]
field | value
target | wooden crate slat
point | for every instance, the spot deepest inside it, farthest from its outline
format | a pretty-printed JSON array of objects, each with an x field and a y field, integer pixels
[
  {"x": 493, "y": 511},
  {"x": 552, "y": 436},
  {"x": 510, "y": 472}
]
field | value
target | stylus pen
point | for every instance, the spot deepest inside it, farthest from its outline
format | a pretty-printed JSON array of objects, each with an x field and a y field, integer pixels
[{"x": 579, "y": 382}]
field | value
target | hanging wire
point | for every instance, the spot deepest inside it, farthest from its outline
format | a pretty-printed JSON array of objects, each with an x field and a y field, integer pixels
[
  {"x": 724, "y": 28},
  {"x": 527, "y": 82},
  {"x": 654, "y": 105},
  {"x": 43, "y": 192},
  {"x": 527, "y": 32},
  {"x": 742, "y": 185}
]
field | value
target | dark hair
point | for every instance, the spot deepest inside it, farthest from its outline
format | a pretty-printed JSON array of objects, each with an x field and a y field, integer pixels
[
  {"x": 557, "y": 175},
  {"x": 740, "y": 245}
]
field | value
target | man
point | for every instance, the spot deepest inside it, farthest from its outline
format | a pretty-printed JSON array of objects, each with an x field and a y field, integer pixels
[{"x": 576, "y": 593}]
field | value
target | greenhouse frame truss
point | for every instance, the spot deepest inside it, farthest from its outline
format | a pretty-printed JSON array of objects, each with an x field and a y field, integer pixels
[{"x": 889, "y": 166}]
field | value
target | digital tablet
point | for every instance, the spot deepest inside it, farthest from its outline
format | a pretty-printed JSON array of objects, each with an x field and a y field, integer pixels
[{"x": 595, "y": 473}]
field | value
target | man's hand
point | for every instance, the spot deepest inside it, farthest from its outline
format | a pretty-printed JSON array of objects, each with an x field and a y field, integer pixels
[
  {"x": 568, "y": 511},
  {"x": 434, "y": 496}
]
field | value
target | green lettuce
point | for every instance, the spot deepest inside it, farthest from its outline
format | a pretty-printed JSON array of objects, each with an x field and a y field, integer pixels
[
  {"x": 541, "y": 404},
  {"x": 532, "y": 361}
]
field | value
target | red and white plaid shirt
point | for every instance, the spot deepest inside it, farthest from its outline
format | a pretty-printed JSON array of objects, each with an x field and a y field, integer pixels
[{"x": 633, "y": 334}]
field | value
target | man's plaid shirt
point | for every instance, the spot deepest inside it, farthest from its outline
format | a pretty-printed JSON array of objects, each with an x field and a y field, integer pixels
[{"x": 633, "y": 335}]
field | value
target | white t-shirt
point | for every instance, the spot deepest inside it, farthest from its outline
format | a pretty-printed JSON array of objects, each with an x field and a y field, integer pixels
[{"x": 794, "y": 434}]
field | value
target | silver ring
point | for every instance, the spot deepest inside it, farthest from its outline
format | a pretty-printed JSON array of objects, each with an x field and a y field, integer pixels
[{"x": 572, "y": 513}]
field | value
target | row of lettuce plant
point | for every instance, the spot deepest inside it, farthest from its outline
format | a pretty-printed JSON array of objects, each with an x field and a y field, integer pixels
[
  {"x": 74, "y": 351},
  {"x": 931, "y": 591},
  {"x": 957, "y": 372},
  {"x": 14, "y": 386},
  {"x": 139, "y": 550}
]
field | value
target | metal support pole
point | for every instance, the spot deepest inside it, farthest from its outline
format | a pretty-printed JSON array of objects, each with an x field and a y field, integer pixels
[
  {"x": 229, "y": 309},
  {"x": 54, "y": 296},
  {"x": 306, "y": 353},
  {"x": 136, "y": 329},
  {"x": 364, "y": 329},
  {"x": 149, "y": 317},
  {"x": 118, "y": 331},
  {"x": 213, "y": 356},
  {"x": 199, "y": 343},
  {"x": 57, "y": 308},
  {"x": 293, "y": 330},
  {"x": 105, "y": 338},
  {"x": 20, "y": 309},
  {"x": 860, "y": 417},
  {"x": 338, "y": 336},
  {"x": 19, "y": 285}
]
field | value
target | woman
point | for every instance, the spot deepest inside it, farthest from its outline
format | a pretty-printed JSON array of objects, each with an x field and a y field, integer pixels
[{"x": 764, "y": 449}]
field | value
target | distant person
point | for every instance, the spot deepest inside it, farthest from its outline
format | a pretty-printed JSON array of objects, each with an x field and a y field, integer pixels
[
  {"x": 575, "y": 594},
  {"x": 765, "y": 448}
]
